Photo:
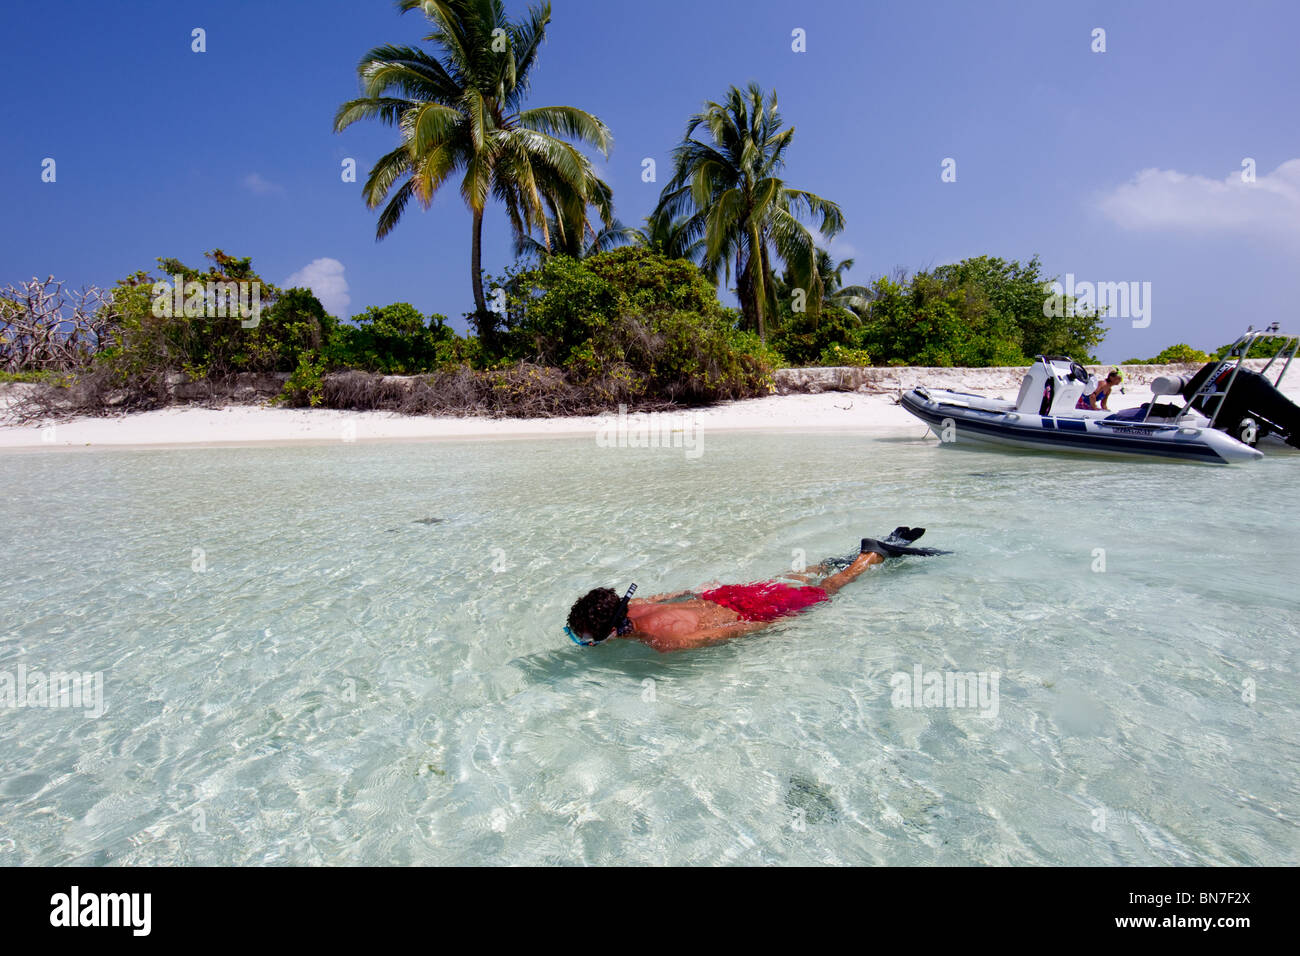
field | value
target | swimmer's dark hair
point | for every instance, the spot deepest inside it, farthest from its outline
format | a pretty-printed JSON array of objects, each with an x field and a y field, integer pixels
[{"x": 596, "y": 613}]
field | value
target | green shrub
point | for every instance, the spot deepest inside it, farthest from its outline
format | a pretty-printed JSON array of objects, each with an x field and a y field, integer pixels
[
  {"x": 394, "y": 340},
  {"x": 837, "y": 355},
  {"x": 292, "y": 323},
  {"x": 50, "y": 376},
  {"x": 1264, "y": 348},
  {"x": 1180, "y": 353},
  {"x": 457, "y": 351},
  {"x": 557, "y": 306},
  {"x": 305, "y": 386},
  {"x": 802, "y": 338},
  {"x": 983, "y": 311},
  {"x": 631, "y": 325}
]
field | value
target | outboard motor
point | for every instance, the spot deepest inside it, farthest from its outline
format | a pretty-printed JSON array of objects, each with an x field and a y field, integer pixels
[
  {"x": 1252, "y": 399},
  {"x": 1052, "y": 386}
]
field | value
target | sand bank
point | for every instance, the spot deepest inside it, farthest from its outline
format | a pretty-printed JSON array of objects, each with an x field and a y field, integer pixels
[{"x": 848, "y": 400}]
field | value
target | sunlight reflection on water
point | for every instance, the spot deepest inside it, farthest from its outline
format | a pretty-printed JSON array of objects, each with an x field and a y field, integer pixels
[{"x": 347, "y": 681}]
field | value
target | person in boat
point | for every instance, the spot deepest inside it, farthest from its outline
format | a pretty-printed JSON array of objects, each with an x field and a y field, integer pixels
[
  {"x": 1097, "y": 400},
  {"x": 687, "y": 619}
]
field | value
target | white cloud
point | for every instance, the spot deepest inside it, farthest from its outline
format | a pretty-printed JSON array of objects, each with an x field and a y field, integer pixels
[
  {"x": 325, "y": 278},
  {"x": 1164, "y": 199},
  {"x": 840, "y": 248},
  {"x": 259, "y": 186}
]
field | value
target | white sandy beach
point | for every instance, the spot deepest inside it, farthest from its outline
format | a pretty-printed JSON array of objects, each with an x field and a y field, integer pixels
[
  {"x": 871, "y": 409},
  {"x": 242, "y": 425}
]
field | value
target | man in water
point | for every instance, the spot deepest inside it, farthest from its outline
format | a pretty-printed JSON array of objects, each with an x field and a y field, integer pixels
[{"x": 686, "y": 619}]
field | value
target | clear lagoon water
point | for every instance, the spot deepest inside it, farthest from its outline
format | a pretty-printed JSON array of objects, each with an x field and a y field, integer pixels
[{"x": 363, "y": 662}]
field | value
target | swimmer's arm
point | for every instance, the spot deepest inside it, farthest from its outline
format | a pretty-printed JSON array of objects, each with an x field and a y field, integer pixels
[
  {"x": 703, "y": 637},
  {"x": 661, "y": 597}
]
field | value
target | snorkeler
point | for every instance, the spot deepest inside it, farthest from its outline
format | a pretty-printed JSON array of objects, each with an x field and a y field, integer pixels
[{"x": 686, "y": 619}]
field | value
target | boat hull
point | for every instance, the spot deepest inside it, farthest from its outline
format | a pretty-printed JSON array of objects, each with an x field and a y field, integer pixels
[{"x": 951, "y": 418}]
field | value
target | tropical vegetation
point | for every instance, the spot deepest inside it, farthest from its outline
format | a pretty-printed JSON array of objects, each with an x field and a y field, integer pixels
[
  {"x": 592, "y": 312},
  {"x": 460, "y": 111},
  {"x": 1173, "y": 355},
  {"x": 726, "y": 193}
]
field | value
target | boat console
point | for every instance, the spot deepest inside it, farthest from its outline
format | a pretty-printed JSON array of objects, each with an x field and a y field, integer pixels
[{"x": 1052, "y": 386}]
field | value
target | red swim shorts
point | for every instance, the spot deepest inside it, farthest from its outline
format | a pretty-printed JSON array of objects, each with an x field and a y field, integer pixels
[{"x": 766, "y": 601}]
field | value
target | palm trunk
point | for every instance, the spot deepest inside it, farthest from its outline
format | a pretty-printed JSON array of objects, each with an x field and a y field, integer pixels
[
  {"x": 768, "y": 284},
  {"x": 745, "y": 292},
  {"x": 484, "y": 321},
  {"x": 756, "y": 287}
]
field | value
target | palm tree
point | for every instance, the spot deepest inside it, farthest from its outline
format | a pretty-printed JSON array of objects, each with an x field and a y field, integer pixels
[
  {"x": 835, "y": 294},
  {"x": 679, "y": 238},
  {"x": 746, "y": 213},
  {"x": 855, "y": 298},
  {"x": 572, "y": 233},
  {"x": 461, "y": 112},
  {"x": 583, "y": 244}
]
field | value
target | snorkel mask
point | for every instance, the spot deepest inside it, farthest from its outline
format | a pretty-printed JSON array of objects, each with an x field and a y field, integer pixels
[{"x": 618, "y": 625}]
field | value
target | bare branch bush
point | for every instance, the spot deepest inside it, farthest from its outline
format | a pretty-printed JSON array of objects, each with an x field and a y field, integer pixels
[{"x": 45, "y": 327}]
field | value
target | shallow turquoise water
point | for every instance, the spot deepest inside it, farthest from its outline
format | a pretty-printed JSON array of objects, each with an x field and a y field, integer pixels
[{"x": 344, "y": 684}]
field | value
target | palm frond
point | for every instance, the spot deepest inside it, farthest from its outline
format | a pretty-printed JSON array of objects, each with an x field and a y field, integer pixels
[
  {"x": 407, "y": 70},
  {"x": 571, "y": 122},
  {"x": 393, "y": 211},
  {"x": 384, "y": 173},
  {"x": 387, "y": 109}
]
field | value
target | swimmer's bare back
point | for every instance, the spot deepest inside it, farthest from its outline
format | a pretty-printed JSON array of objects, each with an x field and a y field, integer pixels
[{"x": 684, "y": 624}]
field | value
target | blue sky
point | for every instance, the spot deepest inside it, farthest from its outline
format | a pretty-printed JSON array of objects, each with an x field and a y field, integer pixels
[{"x": 1122, "y": 166}]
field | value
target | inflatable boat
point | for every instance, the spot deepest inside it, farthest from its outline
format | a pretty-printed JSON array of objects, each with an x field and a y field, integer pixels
[{"x": 1218, "y": 415}]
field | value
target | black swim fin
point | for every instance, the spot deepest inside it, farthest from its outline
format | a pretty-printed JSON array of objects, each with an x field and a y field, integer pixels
[{"x": 898, "y": 544}]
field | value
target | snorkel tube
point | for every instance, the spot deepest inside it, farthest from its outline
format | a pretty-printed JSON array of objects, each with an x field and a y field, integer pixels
[{"x": 619, "y": 624}]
